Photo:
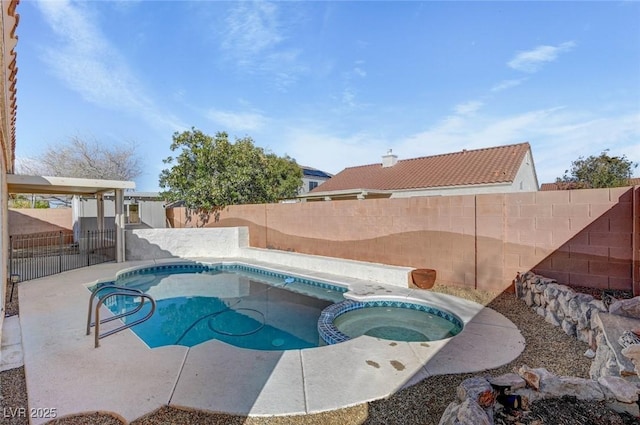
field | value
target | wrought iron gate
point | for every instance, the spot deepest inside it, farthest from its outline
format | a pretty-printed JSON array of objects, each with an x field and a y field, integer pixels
[{"x": 37, "y": 255}]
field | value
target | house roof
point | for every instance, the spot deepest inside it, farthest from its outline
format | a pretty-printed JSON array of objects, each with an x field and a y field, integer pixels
[
  {"x": 468, "y": 167},
  {"x": 633, "y": 181},
  {"x": 314, "y": 172},
  {"x": 8, "y": 102}
]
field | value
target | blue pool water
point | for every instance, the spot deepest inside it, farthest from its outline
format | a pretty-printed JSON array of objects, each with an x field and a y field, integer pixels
[{"x": 240, "y": 305}]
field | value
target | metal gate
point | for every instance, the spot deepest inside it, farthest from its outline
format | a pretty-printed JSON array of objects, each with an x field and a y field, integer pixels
[{"x": 43, "y": 254}]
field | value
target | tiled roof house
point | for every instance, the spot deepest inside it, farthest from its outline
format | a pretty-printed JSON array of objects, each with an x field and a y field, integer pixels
[{"x": 497, "y": 169}]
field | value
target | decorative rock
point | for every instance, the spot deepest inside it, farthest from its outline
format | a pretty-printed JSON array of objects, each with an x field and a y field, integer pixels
[
  {"x": 569, "y": 328},
  {"x": 628, "y": 307},
  {"x": 471, "y": 413},
  {"x": 511, "y": 380},
  {"x": 599, "y": 305},
  {"x": 586, "y": 336},
  {"x": 630, "y": 408},
  {"x": 539, "y": 288},
  {"x": 621, "y": 389},
  {"x": 604, "y": 364},
  {"x": 553, "y": 305},
  {"x": 528, "y": 298},
  {"x": 533, "y": 377},
  {"x": 477, "y": 389},
  {"x": 540, "y": 311},
  {"x": 466, "y": 413},
  {"x": 551, "y": 292},
  {"x": 552, "y": 319},
  {"x": 632, "y": 352},
  {"x": 450, "y": 414},
  {"x": 582, "y": 389},
  {"x": 589, "y": 353}
]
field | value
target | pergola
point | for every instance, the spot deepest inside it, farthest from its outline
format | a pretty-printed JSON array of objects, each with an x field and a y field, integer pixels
[{"x": 74, "y": 186}]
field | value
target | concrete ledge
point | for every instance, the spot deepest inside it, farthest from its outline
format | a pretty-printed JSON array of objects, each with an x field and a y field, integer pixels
[{"x": 372, "y": 272}]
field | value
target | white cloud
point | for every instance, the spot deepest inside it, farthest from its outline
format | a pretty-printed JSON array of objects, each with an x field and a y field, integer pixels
[
  {"x": 532, "y": 60},
  {"x": 359, "y": 72},
  {"x": 253, "y": 38},
  {"x": 468, "y": 108},
  {"x": 252, "y": 28},
  {"x": 84, "y": 59},
  {"x": 507, "y": 84},
  {"x": 237, "y": 120}
]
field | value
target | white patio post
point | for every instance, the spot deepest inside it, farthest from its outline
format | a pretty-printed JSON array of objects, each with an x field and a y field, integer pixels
[
  {"x": 100, "y": 211},
  {"x": 120, "y": 249}
]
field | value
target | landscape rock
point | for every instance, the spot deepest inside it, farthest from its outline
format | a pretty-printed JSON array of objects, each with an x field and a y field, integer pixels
[
  {"x": 477, "y": 389},
  {"x": 623, "y": 390},
  {"x": 511, "y": 380},
  {"x": 533, "y": 377},
  {"x": 466, "y": 413},
  {"x": 627, "y": 307}
]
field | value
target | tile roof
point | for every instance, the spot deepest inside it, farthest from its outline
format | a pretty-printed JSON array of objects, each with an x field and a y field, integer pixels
[
  {"x": 468, "y": 167},
  {"x": 9, "y": 25}
]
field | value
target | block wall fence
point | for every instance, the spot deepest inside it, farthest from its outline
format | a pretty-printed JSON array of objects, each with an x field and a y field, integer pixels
[
  {"x": 39, "y": 220},
  {"x": 585, "y": 237}
]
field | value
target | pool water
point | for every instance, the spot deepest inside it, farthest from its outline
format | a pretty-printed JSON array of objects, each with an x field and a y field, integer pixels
[
  {"x": 397, "y": 324},
  {"x": 240, "y": 306}
]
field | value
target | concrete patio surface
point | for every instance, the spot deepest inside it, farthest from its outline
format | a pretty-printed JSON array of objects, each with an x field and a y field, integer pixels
[{"x": 123, "y": 376}]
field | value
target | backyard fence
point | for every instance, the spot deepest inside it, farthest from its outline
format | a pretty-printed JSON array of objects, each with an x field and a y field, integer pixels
[{"x": 42, "y": 254}]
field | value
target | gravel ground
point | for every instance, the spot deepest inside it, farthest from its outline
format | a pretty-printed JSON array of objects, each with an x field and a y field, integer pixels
[{"x": 423, "y": 403}]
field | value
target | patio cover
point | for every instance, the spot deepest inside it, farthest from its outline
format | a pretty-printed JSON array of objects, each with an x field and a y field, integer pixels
[{"x": 74, "y": 186}]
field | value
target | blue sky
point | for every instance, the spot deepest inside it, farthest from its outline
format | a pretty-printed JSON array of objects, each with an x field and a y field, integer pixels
[{"x": 333, "y": 84}]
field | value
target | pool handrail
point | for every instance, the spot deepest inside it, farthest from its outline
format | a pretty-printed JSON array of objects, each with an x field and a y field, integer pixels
[
  {"x": 94, "y": 293},
  {"x": 119, "y": 291}
]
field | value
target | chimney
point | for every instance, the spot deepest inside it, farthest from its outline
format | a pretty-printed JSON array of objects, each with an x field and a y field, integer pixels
[{"x": 389, "y": 160}]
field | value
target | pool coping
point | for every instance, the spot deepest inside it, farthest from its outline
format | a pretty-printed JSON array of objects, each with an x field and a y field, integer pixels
[{"x": 64, "y": 371}]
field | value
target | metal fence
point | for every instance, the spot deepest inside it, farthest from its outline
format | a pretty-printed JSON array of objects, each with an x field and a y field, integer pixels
[{"x": 43, "y": 254}]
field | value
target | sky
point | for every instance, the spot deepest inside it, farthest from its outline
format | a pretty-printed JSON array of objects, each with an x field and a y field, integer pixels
[{"x": 333, "y": 84}]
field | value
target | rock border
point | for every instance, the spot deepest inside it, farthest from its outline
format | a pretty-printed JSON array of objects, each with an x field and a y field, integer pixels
[
  {"x": 478, "y": 399},
  {"x": 590, "y": 320}
]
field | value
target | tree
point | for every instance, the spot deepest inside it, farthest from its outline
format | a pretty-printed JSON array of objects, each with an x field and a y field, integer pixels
[
  {"x": 82, "y": 159},
  {"x": 597, "y": 171},
  {"x": 211, "y": 172},
  {"x": 21, "y": 201}
]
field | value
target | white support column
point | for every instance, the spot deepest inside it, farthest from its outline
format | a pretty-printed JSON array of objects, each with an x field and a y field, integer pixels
[
  {"x": 120, "y": 249},
  {"x": 100, "y": 211}
]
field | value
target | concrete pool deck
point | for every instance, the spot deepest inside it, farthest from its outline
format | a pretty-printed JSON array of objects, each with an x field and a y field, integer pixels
[{"x": 123, "y": 376}]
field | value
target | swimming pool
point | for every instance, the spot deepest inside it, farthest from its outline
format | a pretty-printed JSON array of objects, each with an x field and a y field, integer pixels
[{"x": 241, "y": 305}]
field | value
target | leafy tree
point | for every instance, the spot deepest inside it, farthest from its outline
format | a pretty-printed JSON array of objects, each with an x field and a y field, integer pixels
[
  {"x": 597, "y": 172},
  {"x": 210, "y": 173},
  {"x": 21, "y": 201},
  {"x": 82, "y": 159}
]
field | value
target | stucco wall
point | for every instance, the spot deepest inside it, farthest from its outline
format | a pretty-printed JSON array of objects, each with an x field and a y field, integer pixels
[
  {"x": 150, "y": 244},
  {"x": 580, "y": 237}
]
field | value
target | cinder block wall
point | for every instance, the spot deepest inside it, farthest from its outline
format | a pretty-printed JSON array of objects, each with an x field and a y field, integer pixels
[
  {"x": 579, "y": 237},
  {"x": 38, "y": 220}
]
